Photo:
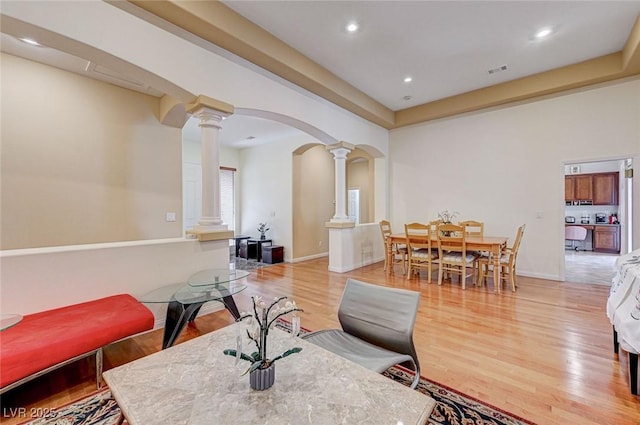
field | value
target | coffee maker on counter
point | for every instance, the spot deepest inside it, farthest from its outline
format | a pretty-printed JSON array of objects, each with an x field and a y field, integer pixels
[{"x": 601, "y": 218}]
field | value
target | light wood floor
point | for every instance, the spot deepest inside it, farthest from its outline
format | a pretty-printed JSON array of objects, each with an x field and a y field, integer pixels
[{"x": 544, "y": 353}]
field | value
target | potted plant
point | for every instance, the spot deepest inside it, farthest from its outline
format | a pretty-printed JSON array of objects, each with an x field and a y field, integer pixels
[
  {"x": 262, "y": 369},
  {"x": 262, "y": 228},
  {"x": 447, "y": 217}
]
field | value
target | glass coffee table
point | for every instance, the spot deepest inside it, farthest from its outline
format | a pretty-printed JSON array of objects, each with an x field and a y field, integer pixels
[{"x": 184, "y": 300}]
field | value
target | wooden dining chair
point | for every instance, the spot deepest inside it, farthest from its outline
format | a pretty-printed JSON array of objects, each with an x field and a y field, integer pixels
[
  {"x": 508, "y": 258},
  {"x": 420, "y": 252},
  {"x": 475, "y": 228},
  {"x": 393, "y": 252},
  {"x": 453, "y": 257}
]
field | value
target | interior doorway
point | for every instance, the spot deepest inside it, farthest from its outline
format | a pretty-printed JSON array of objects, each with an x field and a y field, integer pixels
[{"x": 604, "y": 210}]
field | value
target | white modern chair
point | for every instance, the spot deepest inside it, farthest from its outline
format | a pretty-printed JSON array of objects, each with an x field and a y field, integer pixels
[
  {"x": 575, "y": 234},
  {"x": 377, "y": 327}
]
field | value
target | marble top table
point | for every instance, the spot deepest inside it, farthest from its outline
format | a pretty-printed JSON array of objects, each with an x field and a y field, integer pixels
[{"x": 195, "y": 383}]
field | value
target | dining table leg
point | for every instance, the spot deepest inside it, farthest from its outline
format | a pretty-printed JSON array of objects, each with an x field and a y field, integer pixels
[
  {"x": 388, "y": 254},
  {"x": 497, "y": 281}
]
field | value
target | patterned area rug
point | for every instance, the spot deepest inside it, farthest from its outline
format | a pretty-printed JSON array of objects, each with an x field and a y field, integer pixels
[
  {"x": 97, "y": 409},
  {"x": 239, "y": 263},
  {"x": 452, "y": 407}
]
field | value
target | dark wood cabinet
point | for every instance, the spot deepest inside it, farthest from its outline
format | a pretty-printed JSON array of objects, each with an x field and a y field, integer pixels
[
  {"x": 578, "y": 188},
  {"x": 606, "y": 239},
  {"x": 605, "y": 189},
  {"x": 600, "y": 189}
]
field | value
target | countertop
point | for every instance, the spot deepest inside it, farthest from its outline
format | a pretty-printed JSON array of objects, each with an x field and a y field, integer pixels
[{"x": 592, "y": 224}]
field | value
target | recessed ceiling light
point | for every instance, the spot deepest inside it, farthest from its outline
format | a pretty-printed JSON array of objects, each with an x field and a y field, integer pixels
[
  {"x": 545, "y": 32},
  {"x": 407, "y": 97},
  {"x": 30, "y": 41},
  {"x": 408, "y": 79},
  {"x": 352, "y": 27}
]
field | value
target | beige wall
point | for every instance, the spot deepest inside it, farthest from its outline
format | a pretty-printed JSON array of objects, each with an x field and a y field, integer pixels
[
  {"x": 358, "y": 177},
  {"x": 313, "y": 201},
  {"x": 506, "y": 166},
  {"x": 83, "y": 161}
]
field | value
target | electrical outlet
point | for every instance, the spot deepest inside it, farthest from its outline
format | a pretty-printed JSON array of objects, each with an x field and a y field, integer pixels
[{"x": 171, "y": 216}]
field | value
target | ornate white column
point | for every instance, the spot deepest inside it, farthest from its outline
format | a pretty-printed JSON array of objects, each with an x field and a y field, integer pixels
[
  {"x": 211, "y": 113},
  {"x": 341, "y": 229},
  {"x": 340, "y": 152}
]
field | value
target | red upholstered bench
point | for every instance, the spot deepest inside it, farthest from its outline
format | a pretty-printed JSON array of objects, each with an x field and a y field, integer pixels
[{"x": 47, "y": 340}]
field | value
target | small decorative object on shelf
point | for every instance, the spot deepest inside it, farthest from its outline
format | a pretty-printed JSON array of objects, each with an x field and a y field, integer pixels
[
  {"x": 262, "y": 370},
  {"x": 262, "y": 228},
  {"x": 447, "y": 217}
]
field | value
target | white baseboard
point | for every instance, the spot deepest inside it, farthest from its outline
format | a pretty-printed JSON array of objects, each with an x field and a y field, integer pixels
[
  {"x": 537, "y": 275},
  {"x": 310, "y": 257}
]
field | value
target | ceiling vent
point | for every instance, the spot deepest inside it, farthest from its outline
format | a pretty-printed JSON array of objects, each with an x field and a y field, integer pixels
[{"x": 498, "y": 69}]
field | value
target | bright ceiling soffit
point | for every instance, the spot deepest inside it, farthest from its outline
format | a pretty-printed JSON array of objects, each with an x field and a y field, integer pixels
[{"x": 220, "y": 25}]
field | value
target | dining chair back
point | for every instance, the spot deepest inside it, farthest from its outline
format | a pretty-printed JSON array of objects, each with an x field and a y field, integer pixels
[
  {"x": 420, "y": 251},
  {"x": 473, "y": 228},
  {"x": 453, "y": 257},
  {"x": 507, "y": 262},
  {"x": 377, "y": 327},
  {"x": 393, "y": 253}
]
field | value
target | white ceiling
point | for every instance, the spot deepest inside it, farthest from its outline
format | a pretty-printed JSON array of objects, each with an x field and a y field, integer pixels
[{"x": 446, "y": 46}]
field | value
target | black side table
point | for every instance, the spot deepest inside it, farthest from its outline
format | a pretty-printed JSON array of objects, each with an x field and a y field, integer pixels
[
  {"x": 238, "y": 239},
  {"x": 260, "y": 242}
]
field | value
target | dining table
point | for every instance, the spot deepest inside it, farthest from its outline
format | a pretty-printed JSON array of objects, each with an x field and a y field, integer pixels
[{"x": 491, "y": 244}]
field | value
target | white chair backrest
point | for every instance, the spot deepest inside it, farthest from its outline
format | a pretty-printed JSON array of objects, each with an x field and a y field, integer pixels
[{"x": 575, "y": 233}]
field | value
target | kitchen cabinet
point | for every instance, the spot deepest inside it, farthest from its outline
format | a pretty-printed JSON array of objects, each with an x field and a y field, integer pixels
[
  {"x": 578, "y": 188},
  {"x": 605, "y": 188},
  {"x": 600, "y": 188},
  {"x": 606, "y": 239}
]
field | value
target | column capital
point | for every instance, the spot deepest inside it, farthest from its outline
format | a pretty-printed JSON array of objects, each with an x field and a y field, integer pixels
[
  {"x": 341, "y": 145},
  {"x": 206, "y": 102},
  {"x": 209, "y": 111}
]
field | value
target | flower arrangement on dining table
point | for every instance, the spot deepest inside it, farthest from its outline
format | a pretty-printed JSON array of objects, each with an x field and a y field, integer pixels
[
  {"x": 259, "y": 322},
  {"x": 447, "y": 217}
]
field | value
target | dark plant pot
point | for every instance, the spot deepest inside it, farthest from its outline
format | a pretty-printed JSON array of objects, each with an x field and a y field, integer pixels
[
  {"x": 262, "y": 379},
  {"x": 263, "y": 237}
]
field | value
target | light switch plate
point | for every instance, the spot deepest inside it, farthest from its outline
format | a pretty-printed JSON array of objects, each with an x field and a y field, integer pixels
[{"x": 171, "y": 216}]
